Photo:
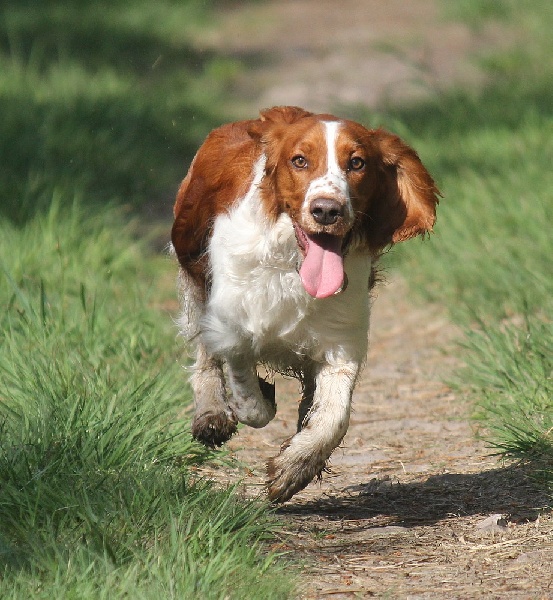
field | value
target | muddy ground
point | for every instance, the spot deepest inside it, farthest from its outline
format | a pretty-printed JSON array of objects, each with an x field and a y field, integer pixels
[{"x": 414, "y": 505}]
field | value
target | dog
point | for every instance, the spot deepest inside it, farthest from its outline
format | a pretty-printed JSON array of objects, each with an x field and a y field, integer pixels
[{"x": 278, "y": 228}]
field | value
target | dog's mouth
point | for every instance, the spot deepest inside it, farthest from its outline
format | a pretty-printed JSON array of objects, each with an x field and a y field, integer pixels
[{"x": 322, "y": 270}]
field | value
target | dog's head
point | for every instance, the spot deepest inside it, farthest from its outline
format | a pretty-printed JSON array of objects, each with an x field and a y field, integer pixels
[{"x": 341, "y": 183}]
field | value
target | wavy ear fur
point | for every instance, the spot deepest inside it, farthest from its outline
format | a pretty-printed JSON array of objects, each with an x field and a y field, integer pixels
[{"x": 406, "y": 203}]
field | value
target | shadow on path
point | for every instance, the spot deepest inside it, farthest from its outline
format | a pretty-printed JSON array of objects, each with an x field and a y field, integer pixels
[{"x": 509, "y": 491}]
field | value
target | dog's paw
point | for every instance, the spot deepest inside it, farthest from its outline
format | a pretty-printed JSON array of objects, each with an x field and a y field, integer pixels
[
  {"x": 255, "y": 410},
  {"x": 288, "y": 474},
  {"x": 213, "y": 429}
]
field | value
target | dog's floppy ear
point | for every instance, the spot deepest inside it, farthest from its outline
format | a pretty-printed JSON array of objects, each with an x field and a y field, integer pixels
[{"x": 405, "y": 205}]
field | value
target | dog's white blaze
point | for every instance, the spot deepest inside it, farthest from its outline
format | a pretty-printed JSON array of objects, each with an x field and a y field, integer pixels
[
  {"x": 333, "y": 184},
  {"x": 333, "y": 169}
]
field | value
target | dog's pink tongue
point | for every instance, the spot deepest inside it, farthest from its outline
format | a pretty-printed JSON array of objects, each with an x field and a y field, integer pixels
[{"x": 322, "y": 270}]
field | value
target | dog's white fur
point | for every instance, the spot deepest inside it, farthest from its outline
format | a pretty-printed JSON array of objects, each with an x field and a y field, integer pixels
[
  {"x": 255, "y": 310},
  {"x": 258, "y": 311}
]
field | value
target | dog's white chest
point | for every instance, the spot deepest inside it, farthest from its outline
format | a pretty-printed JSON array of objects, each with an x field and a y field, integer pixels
[
  {"x": 255, "y": 285},
  {"x": 258, "y": 304}
]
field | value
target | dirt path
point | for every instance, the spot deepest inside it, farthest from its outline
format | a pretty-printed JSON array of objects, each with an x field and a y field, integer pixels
[
  {"x": 414, "y": 507},
  {"x": 330, "y": 54}
]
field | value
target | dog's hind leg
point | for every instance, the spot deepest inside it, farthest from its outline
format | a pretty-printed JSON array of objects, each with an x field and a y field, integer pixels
[{"x": 307, "y": 394}]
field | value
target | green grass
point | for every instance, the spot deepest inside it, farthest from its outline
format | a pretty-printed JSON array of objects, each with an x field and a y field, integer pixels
[
  {"x": 490, "y": 260},
  {"x": 108, "y": 99},
  {"x": 509, "y": 369},
  {"x": 97, "y": 490},
  {"x": 103, "y": 104}
]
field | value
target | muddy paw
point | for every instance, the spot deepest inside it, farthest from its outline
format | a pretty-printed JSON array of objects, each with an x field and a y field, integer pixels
[
  {"x": 213, "y": 429},
  {"x": 285, "y": 478}
]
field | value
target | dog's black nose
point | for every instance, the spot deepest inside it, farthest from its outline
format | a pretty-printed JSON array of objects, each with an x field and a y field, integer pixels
[{"x": 326, "y": 210}]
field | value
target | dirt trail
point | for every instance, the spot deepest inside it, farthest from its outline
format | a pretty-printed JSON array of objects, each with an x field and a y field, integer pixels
[
  {"x": 325, "y": 54},
  {"x": 414, "y": 506}
]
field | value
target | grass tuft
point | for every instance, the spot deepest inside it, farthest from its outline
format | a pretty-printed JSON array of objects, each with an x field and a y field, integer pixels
[
  {"x": 99, "y": 495},
  {"x": 516, "y": 395}
]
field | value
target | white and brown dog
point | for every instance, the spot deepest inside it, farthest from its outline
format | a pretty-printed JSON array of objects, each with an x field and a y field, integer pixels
[{"x": 271, "y": 216}]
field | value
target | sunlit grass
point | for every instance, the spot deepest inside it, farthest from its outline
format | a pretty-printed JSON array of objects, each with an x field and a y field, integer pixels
[
  {"x": 98, "y": 496},
  {"x": 510, "y": 369}
]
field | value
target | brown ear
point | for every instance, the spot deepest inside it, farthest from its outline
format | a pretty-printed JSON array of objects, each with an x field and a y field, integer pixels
[{"x": 405, "y": 205}]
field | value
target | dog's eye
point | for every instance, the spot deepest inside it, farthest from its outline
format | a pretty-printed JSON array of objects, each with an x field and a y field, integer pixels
[
  {"x": 299, "y": 161},
  {"x": 356, "y": 163}
]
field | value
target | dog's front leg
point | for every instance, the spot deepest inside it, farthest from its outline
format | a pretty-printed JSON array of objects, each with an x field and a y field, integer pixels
[
  {"x": 252, "y": 400},
  {"x": 214, "y": 422},
  {"x": 304, "y": 455}
]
